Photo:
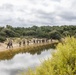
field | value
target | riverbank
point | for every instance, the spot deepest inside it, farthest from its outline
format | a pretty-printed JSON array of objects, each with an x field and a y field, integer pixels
[
  {"x": 9, "y": 53},
  {"x": 3, "y": 46}
]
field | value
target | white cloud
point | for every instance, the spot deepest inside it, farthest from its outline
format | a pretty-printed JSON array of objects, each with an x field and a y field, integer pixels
[
  {"x": 22, "y": 62},
  {"x": 37, "y": 12}
]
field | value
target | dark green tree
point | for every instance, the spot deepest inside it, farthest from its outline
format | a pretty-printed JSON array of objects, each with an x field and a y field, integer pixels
[{"x": 55, "y": 35}]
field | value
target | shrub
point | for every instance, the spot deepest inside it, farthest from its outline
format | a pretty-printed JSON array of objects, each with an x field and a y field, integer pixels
[
  {"x": 63, "y": 61},
  {"x": 2, "y": 38},
  {"x": 55, "y": 35}
]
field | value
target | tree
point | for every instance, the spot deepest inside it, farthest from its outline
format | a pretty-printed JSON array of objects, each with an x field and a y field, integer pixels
[
  {"x": 9, "y": 27},
  {"x": 54, "y": 35},
  {"x": 9, "y": 32},
  {"x": 66, "y": 33},
  {"x": 34, "y": 28},
  {"x": 2, "y": 38},
  {"x": 2, "y": 33},
  {"x": 29, "y": 33}
]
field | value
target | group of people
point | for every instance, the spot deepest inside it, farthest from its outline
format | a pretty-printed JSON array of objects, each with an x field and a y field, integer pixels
[
  {"x": 26, "y": 42},
  {"x": 23, "y": 43},
  {"x": 10, "y": 43}
]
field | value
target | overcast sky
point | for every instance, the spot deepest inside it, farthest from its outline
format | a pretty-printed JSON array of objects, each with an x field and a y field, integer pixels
[{"x": 27, "y": 13}]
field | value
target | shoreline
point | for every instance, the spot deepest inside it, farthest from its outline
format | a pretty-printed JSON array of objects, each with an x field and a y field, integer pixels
[
  {"x": 3, "y": 46},
  {"x": 9, "y": 53}
]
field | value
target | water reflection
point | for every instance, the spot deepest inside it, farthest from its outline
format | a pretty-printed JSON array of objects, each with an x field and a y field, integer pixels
[
  {"x": 9, "y": 54},
  {"x": 22, "y": 62}
]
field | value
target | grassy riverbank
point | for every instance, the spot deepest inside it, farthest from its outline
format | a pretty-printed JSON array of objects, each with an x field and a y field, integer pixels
[
  {"x": 63, "y": 62},
  {"x": 37, "y": 48}
]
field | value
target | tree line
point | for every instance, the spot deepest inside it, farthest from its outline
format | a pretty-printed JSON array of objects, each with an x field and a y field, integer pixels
[{"x": 49, "y": 32}]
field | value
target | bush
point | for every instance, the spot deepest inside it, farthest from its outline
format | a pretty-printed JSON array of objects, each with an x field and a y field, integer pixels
[
  {"x": 2, "y": 39},
  {"x": 63, "y": 61},
  {"x": 55, "y": 35}
]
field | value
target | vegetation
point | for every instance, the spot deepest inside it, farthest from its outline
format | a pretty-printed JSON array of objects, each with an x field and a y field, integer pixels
[
  {"x": 2, "y": 39},
  {"x": 63, "y": 61},
  {"x": 53, "y": 32}
]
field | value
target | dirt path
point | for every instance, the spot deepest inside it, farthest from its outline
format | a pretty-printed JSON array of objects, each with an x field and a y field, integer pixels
[{"x": 3, "y": 46}]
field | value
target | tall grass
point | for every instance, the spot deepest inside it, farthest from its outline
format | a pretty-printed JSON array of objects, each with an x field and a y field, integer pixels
[{"x": 63, "y": 61}]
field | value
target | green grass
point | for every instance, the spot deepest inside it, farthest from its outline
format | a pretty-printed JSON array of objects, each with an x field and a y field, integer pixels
[{"x": 63, "y": 61}]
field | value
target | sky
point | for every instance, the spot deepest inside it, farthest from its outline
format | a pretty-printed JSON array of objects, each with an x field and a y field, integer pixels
[{"x": 26, "y": 13}]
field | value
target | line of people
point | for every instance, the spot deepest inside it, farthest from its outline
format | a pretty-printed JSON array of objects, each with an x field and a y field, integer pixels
[
  {"x": 23, "y": 43},
  {"x": 27, "y": 42},
  {"x": 10, "y": 43}
]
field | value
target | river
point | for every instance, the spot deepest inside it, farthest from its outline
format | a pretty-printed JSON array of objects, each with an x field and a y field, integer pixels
[{"x": 22, "y": 61}]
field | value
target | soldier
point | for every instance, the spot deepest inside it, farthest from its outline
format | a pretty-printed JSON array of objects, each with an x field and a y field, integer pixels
[
  {"x": 27, "y": 42},
  {"x": 9, "y": 44},
  {"x": 34, "y": 41},
  {"x": 23, "y": 42},
  {"x": 43, "y": 40},
  {"x": 19, "y": 43}
]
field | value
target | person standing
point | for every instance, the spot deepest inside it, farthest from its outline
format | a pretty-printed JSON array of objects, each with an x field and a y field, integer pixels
[
  {"x": 10, "y": 44},
  {"x": 27, "y": 42},
  {"x": 23, "y": 42},
  {"x": 19, "y": 43}
]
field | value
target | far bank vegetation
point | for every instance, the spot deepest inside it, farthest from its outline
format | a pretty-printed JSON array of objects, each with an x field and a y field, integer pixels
[{"x": 53, "y": 32}]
